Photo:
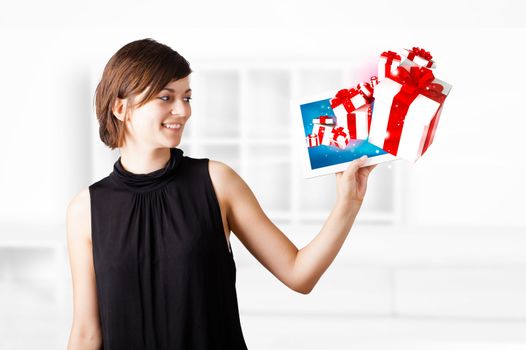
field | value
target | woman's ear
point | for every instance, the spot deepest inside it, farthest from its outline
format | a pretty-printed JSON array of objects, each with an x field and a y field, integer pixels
[{"x": 119, "y": 108}]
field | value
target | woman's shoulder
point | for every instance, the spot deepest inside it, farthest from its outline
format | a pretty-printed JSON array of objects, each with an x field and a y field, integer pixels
[
  {"x": 221, "y": 173},
  {"x": 218, "y": 167},
  {"x": 79, "y": 215},
  {"x": 80, "y": 203}
]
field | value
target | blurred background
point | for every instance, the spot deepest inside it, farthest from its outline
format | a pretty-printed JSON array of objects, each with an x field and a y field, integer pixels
[{"x": 436, "y": 258}]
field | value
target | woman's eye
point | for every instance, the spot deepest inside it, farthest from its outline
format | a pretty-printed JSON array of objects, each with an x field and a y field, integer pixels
[{"x": 167, "y": 98}]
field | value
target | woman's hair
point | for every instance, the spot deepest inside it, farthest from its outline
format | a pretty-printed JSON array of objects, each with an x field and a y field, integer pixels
[{"x": 137, "y": 66}]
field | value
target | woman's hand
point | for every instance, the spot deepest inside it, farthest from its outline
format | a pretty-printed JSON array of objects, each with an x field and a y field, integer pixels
[{"x": 351, "y": 184}]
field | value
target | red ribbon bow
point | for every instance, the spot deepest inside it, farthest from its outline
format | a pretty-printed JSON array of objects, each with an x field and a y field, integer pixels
[
  {"x": 422, "y": 53},
  {"x": 418, "y": 80},
  {"x": 338, "y": 132},
  {"x": 391, "y": 55},
  {"x": 366, "y": 90},
  {"x": 343, "y": 97}
]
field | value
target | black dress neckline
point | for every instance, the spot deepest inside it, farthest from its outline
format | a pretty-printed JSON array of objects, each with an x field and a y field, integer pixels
[{"x": 149, "y": 181}]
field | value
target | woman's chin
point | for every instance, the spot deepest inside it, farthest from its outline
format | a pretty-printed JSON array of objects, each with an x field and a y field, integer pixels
[
  {"x": 173, "y": 142},
  {"x": 172, "y": 133}
]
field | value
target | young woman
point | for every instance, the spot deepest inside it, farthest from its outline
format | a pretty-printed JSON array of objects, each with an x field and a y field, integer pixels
[{"x": 148, "y": 245}]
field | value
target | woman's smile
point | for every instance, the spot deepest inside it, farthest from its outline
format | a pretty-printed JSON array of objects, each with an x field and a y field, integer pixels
[{"x": 172, "y": 126}]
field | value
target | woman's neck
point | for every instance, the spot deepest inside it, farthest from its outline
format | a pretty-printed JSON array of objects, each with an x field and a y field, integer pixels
[{"x": 144, "y": 161}]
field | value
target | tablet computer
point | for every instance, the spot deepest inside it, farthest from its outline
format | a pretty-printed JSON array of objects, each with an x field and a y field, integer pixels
[{"x": 326, "y": 159}]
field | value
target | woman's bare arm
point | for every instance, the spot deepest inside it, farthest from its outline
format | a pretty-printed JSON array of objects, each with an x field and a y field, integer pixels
[
  {"x": 85, "y": 331},
  {"x": 301, "y": 269}
]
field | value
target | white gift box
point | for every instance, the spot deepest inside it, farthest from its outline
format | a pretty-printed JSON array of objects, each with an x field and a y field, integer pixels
[
  {"x": 421, "y": 61},
  {"x": 324, "y": 133},
  {"x": 367, "y": 88},
  {"x": 418, "y": 126},
  {"x": 324, "y": 119},
  {"x": 351, "y": 102},
  {"x": 312, "y": 140},
  {"x": 357, "y": 122},
  {"x": 340, "y": 137}
]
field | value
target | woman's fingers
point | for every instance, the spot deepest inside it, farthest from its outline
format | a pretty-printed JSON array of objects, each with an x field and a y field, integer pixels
[
  {"x": 370, "y": 168},
  {"x": 355, "y": 164}
]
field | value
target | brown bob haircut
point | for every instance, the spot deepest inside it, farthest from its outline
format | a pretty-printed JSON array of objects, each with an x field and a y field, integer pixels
[{"x": 138, "y": 65}]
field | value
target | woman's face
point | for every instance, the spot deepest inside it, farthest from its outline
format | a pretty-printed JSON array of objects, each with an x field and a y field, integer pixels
[{"x": 160, "y": 122}]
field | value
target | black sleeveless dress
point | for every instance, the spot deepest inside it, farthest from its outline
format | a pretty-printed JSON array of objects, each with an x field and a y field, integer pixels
[{"x": 165, "y": 273}]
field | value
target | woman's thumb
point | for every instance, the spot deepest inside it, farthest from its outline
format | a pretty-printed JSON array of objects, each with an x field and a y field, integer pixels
[{"x": 355, "y": 164}]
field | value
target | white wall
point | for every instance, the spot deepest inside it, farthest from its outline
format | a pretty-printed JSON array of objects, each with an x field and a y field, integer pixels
[{"x": 472, "y": 175}]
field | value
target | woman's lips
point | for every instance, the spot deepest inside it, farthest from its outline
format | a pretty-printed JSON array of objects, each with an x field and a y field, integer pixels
[{"x": 176, "y": 127}]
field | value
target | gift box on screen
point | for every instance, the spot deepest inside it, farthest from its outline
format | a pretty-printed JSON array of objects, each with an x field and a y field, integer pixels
[
  {"x": 367, "y": 89},
  {"x": 324, "y": 133},
  {"x": 324, "y": 119},
  {"x": 358, "y": 122},
  {"x": 340, "y": 137},
  {"x": 312, "y": 140},
  {"x": 406, "y": 112},
  {"x": 346, "y": 101}
]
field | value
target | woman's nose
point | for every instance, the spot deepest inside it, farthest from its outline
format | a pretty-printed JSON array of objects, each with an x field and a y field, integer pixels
[{"x": 180, "y": 108}]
